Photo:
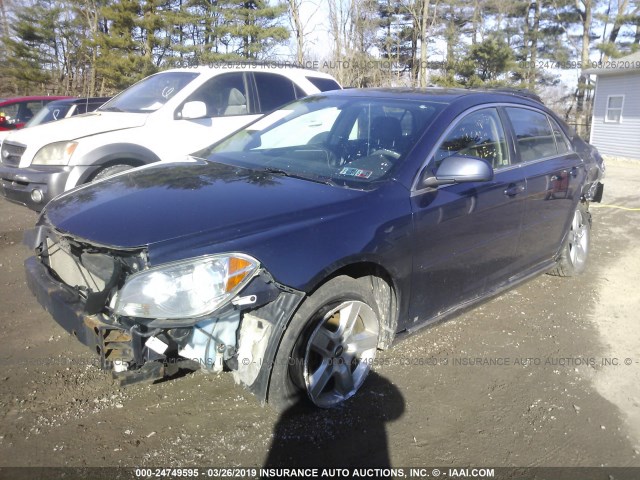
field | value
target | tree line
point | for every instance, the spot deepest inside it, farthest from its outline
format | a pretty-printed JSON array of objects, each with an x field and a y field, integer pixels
[{"x": 98, "y": 47}]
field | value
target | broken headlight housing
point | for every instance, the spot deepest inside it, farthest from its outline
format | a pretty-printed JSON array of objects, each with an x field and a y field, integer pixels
[{"x": 185, "y": 289}]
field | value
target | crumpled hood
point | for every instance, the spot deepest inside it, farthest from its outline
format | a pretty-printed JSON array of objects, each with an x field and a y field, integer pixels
[
  {"x": 73, "y": 128},
  {"x": 170, "y": 201}
]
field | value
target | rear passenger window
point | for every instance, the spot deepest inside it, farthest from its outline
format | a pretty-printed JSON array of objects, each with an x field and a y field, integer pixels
[
  {"x": 273, "y": 90},
  {"x": 479, "y": 134},
  {"x": 533, "y": 134},
  {"x": 561, "y": 140}
]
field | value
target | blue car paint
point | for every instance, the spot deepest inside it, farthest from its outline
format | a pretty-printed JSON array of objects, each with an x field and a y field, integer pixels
[
  {"x": 440, "y": 247},
  {"x": 341, "y": 226}
]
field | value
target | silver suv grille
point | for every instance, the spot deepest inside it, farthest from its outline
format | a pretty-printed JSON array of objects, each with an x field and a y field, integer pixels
[{"x": 11, "y": 154}]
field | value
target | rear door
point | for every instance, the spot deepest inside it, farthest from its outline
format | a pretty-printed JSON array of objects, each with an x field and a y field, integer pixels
[
  {"x": 274, "y": 90},
  {"x": 466, "y": 235},
  {"x": 554, "y": 175}
]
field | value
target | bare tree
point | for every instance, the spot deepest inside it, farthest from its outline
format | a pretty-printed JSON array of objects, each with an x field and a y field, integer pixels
[
  {"x": 299, "y": 27},
  {"x": 353, "y": 28},
  {"x": 425, "y": 15},
  {"x": 584, "y": 8},
  {"x": 4, "y": 20},
  {"x": 90, "y": 15}
]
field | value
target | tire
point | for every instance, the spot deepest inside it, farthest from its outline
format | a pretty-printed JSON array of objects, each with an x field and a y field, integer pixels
[
  {"x": 111, "y": 170},
  {"x": 328, "y": 349},
  {"x": 575, "y": 249}
]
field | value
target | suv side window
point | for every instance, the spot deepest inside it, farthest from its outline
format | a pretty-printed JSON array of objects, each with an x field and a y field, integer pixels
[
  {"x": 224, "y": 95},
  {"x": 533, "y": 134},
  {"x": 273, "y": 90},
  {"x": 324, "y": 84},
  {"x": 479, "y": 134}
]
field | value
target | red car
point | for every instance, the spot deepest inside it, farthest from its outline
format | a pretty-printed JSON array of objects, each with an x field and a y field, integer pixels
[{"x": 15, "y": 112}]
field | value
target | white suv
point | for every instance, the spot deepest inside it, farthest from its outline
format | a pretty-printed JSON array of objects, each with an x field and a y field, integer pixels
[{"x": 161, "y": 118}]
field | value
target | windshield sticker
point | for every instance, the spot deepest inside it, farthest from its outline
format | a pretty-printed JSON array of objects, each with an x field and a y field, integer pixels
[{"x": 355, "y": 172}]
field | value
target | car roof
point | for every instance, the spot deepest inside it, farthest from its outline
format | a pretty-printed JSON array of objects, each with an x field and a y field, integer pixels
[
  {"x": 252, "y": 67},
  {"x": 79, "y": 101},
  {"x": 13, "y": 100},
  {"x": 443, "y": 95}
]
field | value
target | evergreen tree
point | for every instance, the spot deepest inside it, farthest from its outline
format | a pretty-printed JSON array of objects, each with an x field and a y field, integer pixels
[
  {"x": 621, "y": 21},
  {"x": 118, "y": 53},
  {"x": 130, "y": 46},
  {"x": 33, "y": 46},
  {"x": 486, "y": 62},
  {"x": 398, "y": 36},
  {"x": 253, "y": 27}
]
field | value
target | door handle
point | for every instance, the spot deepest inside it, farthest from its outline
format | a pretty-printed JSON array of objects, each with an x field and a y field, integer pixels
[{"x": 514, "y": 190}]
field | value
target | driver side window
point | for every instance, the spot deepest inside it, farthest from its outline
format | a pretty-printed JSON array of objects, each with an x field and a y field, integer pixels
[
  {"x": 479, "y": 134},
  {"x": 224, "y": 95}
]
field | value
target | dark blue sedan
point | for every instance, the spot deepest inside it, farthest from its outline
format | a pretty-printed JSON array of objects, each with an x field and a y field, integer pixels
[{"x": 293, "y": 250}]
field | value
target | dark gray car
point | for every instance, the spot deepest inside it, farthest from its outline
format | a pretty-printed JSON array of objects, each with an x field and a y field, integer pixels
[{"x": 66, "y": 108}]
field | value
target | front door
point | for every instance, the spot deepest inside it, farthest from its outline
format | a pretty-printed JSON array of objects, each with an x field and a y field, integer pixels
[
  {"x": 227, "y": 99},
  {"x": 466, "y": 235}
]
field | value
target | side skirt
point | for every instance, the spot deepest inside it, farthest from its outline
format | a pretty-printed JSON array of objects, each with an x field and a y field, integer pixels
[{"x": 468, "y": 304}]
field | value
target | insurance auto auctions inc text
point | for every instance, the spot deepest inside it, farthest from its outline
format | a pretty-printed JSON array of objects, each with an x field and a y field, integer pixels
[{"x": 376, "y": 472}]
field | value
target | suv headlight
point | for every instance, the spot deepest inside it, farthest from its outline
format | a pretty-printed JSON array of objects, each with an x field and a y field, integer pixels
[
  {"x": 185, "y": 289},
  {"x": 58, "y": 153}
]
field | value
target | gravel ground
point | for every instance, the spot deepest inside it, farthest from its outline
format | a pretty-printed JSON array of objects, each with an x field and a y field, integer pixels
[{"x": 556, "y": 398}]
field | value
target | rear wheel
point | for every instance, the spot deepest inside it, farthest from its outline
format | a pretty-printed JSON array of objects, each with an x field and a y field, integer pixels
[
  {"x": 329, "y": 347},
  {"x": 575, "y": 250},
  {"x": 111, "y": 170}
]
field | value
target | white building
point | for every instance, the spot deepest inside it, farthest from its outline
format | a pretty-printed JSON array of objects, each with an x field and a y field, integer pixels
[{"x": 615, "y": 127}]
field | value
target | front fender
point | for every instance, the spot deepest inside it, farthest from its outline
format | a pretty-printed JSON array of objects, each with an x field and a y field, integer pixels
[
  {"x": 111, "y": 152},
  {"x": 105, "y": 155},
  {"x": 256, "y": 359}
]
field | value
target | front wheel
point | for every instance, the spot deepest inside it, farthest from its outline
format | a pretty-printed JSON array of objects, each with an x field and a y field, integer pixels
[
  {"x": 329, "y": 347},
  {"x": 575, "y": 250}
]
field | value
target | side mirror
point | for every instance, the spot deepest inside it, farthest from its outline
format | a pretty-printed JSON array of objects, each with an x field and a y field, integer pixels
[
  {"x": 459, "y": 169},
  {"x": 193, "y": 110}
]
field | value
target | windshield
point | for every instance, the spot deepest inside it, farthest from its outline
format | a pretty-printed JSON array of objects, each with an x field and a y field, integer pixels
[
  {"x": 149, "y": 94},
  {"x": 49, "y": 113},
  {"x": 345, "y": 140}
]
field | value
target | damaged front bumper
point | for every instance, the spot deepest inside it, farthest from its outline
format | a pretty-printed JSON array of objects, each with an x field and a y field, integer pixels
[{"x": 242, "y": 336}]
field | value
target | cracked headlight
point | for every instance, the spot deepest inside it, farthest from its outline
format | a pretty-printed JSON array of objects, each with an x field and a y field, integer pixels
[
  {"x": 58, "y": 153},
  {"x": 185, "y": 289}
]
